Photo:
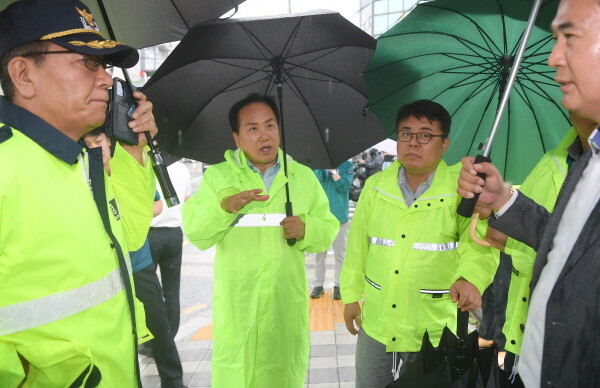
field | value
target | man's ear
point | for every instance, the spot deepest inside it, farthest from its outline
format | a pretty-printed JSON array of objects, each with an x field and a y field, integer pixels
[
  {"x": 445, "y": 145},
  {"x": 19, "y": 69},
  {"x": 236, "y": 138}
]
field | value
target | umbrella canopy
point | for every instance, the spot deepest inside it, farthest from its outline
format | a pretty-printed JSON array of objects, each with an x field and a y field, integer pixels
[
  {"x": 316, "y": 57},
  {"x": 151, "y": 22},
  {"x": 459, "y": 54}
]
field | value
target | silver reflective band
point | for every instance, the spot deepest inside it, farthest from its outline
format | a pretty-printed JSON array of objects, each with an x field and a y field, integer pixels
[
  {"x": 372, "y": 283},
  {"x": 254, "y": 220},
  {"x": 426, "y": 291},
  {"x": 382, "y": 241},
  {"x": 435, "y": 247},
  {"x": 37, "y": 312}
]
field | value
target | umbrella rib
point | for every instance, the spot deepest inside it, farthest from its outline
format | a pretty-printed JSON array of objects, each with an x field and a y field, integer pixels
[
  {"x": 187, "y": 26},
  {"x": 291, "y": 38},
  {"x": 475, "y": 24},
  {"x": 460, "y": 40},
  {"x": 257, "y": 43},
  {"x": 330, "y": 76},
  {"x": 296, "y": 90},
  {"x": 406, "y": 85}
]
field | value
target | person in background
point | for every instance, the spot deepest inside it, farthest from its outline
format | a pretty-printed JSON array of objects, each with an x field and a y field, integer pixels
[
  {"x": 336, "y": 183},
  {"x": 147, "y": 286},
  {"x": 373, "y": 163},
  {"x": 260, "y": 304},
  {"x": 166, "y": 242}
]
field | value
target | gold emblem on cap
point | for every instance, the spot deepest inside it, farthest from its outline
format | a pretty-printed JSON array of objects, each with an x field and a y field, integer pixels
[
  {"x": 88, "y": 17},
  {"x": 97, "y": 44}
]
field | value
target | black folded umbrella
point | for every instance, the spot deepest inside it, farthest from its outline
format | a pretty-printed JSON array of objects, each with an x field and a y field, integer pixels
[{"x": 456, "y": 363}]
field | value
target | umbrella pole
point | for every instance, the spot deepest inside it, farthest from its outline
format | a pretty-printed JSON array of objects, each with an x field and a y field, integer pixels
[
  {"x": 466, "y": 206},
  {"x": 158, "y": 164},
  {"x": 288, "y": 204}
]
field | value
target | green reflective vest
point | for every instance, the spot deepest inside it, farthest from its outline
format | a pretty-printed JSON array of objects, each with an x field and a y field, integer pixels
[
  {"x": 260, "y": 295},
  {"x": 403, "y": 259},
  {"x": 63, "y": 307},
  {"x": 542, "y": 185}
]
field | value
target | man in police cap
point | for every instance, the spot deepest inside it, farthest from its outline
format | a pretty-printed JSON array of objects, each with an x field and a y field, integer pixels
[{"x": 67, "y": 315}]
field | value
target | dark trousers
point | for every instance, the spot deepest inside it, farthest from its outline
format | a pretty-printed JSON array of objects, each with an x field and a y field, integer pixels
[
  {"x": 149, "y": 292},
  {"x": 166, "y": 248}
]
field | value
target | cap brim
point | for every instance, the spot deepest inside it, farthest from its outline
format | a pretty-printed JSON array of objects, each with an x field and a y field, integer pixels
[{"x": 117, "y": 53}]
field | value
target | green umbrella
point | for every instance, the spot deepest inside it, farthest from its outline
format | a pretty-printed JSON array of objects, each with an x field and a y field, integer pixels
[{"x": 459, "y": 53}]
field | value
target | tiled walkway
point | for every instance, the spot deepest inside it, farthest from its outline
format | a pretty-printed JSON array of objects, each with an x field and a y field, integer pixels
[{"x": 331, "y": 359}]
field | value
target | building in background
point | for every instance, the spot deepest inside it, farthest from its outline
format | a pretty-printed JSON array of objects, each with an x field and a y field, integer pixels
[{"x": 378, "y": 16}]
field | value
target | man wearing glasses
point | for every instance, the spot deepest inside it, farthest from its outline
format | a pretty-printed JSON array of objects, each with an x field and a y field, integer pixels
[
  {"x": 409, "y": 252},
  {"x": 67, "y": 308}
]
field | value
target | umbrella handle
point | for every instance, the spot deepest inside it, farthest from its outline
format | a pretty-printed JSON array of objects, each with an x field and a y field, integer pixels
[
  {"x": 289, "y": 212},
  {"x": 473, "y": 232},
  {"x": 467, "y": 205}
]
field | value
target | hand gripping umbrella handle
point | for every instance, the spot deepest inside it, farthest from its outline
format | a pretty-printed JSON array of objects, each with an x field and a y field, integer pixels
[
  {"x": 289, "y": 213},
  {"x": 158, "y": 164},
  {"x": 162, "y": 175},
  {"x": 467, "y": 205}
]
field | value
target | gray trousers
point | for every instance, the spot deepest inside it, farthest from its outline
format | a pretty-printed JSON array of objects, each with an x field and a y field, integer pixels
[
  {"x": 374, "y": 365},
  {"x": 339, "y": 252}
]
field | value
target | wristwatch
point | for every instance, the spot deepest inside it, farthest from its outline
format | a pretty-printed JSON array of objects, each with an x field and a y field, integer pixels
[{"x": 335, "y": 172}]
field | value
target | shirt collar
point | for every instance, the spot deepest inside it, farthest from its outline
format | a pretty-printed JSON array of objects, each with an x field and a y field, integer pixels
[
  {"x": 44, "y": 134},
  {"x": 594, "y": 141},
  {"x": 253, "y": 168},
  {"x": 402, "y": 177}
]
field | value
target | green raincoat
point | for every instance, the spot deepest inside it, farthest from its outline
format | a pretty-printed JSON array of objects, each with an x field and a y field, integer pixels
[
  {"x": 63, "y": 307},
  {"x": 260, "y": 295},
  {"x": 542, "y": 185},
  {"x": 402, "y": 259}
]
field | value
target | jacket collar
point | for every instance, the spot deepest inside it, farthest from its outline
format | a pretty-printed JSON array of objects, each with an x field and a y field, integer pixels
[
  {"x": 237, "y": 159},
  {"x": 389, "y": 181},
  {"x": 45, "y": 135}
]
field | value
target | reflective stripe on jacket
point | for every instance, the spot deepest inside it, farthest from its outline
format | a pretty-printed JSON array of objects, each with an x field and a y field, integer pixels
[
  {"x": 260, "y": 295},
  {"x": 55, "y": 253},
  {"x": 405, "y": 259}
]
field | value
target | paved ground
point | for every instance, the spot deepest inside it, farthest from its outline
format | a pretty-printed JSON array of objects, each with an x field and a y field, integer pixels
[{"x": 332, "y": 347}]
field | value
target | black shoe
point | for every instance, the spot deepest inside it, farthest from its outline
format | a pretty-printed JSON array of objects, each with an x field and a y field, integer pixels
[
  {"x": 336, "y": 292},
  {"x": 316, "y": 292}
]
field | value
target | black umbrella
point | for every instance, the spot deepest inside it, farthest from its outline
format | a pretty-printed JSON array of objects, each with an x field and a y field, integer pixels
[
  {"x": 456, "y": 363},
  {"x": 150, "y": 22},
  {"x": 317, "y": 59}
]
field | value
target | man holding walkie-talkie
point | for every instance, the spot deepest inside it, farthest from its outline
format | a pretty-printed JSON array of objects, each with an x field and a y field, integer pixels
[{"x": 68, "y": 309}]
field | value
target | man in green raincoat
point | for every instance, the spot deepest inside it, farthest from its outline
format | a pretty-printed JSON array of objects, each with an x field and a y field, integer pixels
[
  {"x": 409, "y": 253},
  {"x": 260, "y": 296}
]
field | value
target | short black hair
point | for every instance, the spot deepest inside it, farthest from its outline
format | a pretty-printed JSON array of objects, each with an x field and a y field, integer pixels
[
  {"x": 428, "y": 109},
  {"x": 96, "y": 131},
  {"x": 234, "y": 120}
]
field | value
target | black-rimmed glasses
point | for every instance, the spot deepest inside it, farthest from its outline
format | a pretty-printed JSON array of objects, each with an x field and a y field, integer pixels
[
  {"x": 422, "y": 137},
  {"x": 91, "y": 62}
]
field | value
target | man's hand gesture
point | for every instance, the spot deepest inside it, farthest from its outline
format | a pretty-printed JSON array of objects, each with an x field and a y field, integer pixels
[{"x": 234, "y": 203}]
